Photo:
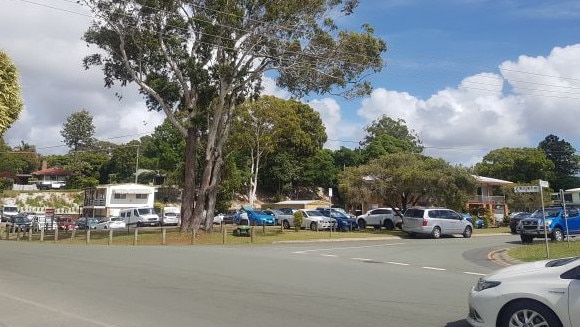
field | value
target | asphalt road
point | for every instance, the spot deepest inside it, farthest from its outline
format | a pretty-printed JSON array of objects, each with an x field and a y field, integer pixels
[{"x": 396, "y": 282}]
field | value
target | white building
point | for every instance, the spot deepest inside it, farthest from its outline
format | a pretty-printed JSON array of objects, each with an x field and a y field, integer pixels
[{"x": 108, "y": 200}]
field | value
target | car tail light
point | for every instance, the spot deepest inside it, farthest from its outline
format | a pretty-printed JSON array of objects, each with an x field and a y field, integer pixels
[{"x": 424, "y": 222}]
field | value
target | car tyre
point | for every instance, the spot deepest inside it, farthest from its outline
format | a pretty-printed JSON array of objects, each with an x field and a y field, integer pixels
[
  {"x": 557, "y": 235},
  {"x": 285, "y": 224},
  {"x": 389, "y": 225},
  {"x": 467, "y": 232},
  {"x": 436, "y": 232},
  {"x": 362, "y": 224},
  {"x": 526, "y": 239},
  {"x": 521, "y": 312},
  {"x": 313, "y": 226}
]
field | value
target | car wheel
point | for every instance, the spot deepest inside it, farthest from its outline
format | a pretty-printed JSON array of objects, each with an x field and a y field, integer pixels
[
  {"x": 313, "y": 226},
  {"x": 436, "y": 232},
  {"x": 526, "y": 239},
  {"x": 343, "y": 228},
  {"x": 286, "y": 224},
  {"x": 389, "y": 225},
  {"x": 362, "y": 224},
  {"x": 467, "y": 232},
  {"x": 513, "y": 230},
  {"x": 528, "y": 313},
  {"x": 557, "y": 235}
]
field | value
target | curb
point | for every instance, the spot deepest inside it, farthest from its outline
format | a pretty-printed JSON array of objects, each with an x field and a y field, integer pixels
[{"x": 502, "y": 258}]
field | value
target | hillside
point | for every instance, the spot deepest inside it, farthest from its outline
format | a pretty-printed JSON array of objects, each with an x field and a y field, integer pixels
[{"x": 62, "y": 202}]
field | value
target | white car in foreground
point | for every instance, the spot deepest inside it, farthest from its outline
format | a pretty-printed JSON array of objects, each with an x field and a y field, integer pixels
[
  {"x": 111, "y": 223},
  {"x": 537, "y": 294}
]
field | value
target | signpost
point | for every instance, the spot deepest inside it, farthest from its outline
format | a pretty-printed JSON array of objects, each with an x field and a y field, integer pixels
[{"x": 535, "y": 189}]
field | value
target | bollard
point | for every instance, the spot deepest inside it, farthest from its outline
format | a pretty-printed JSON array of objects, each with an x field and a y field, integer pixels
[
  {"x": 88, "y": 240},
  {"x": 56, "y": 235},
  {"x": 224, "y": 232},
  {"x": 192, "y": 236},
  {"x": 42, "y": 235},
  {"x": 163, "y": 235},
  {"x": 18, "y": 233},
  {"x": 264, "y": 227},
  {"x": 7, "y": 233},
  {"x": 252, "y": 234},
  {"x": 221, "y": 226},
  {"x": 110, "y": 237},
  {"x": 29, "y": 234},
  {"x": 72, "y": 235},
  {"x": 136, "y": 236}
]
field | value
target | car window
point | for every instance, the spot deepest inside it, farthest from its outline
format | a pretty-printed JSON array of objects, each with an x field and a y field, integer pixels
[
  {"x": 434, "y": 214},
  {"x": 572, "y": 212},
  {"x": 414, "y": 213}
]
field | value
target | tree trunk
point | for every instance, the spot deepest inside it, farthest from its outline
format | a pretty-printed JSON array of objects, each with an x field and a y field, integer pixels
[{"x": 189, "y": 172}]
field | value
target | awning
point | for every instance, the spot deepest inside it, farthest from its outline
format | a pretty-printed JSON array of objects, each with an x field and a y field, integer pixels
[{"x": 131, "y": 191}]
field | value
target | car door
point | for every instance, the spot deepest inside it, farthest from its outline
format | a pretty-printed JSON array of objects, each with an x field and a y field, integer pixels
[
  {"x": 374, "y": 217},
  {"x": 573, "y": 220},
  {"x": 455, "y": 222},
  {"x": 574, "y": 300}
]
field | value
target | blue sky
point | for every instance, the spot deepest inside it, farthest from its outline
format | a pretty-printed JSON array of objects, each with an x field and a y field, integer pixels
[{"x": 468, "y": 76}]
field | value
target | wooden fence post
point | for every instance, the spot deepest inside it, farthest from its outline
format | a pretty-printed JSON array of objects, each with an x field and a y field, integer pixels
[
  {"x": 110, "y": 236},
  {"x": 136, "y": 236},
  {"x": 163, "y": 236},
  {"x": 42, "y": 234}
]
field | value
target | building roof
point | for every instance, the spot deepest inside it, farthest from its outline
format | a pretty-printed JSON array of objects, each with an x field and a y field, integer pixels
[
  {"x": 491, "y": 181},
  {"x": 52, "y": 171},
  {"x": 301, "y": 202},
  {"x": 573, "y": 190}
]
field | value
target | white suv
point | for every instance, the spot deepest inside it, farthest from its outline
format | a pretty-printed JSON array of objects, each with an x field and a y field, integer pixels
[
  {"x": 379, "y": 217},
  {"x": 435, "y": 222}
]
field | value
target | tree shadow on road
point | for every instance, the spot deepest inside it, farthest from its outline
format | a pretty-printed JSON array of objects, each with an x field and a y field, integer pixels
[{"x": 458, "y": 323}]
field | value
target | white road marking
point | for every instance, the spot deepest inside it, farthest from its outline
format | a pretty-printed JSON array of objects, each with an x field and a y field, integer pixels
[
  {"x": 398, "y": 263},
  {"x": 347, "y": 248},
  {"x": 55, "y": 310},
  {"x": 473, "y": 273},
  {"x": 361, "y": 259},
  {"x": 434, "y": 268},
  {"x": 329, "y": 255}
]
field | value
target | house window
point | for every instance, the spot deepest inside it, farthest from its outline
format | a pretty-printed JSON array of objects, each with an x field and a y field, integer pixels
[
  {"x": 141, "y": 196},
  {"x": 119, "y": 196}
]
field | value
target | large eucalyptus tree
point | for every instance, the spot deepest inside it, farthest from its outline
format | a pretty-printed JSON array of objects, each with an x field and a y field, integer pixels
[
  {"x": 196, "y": 60},
  {"x": 10, "y": 93}
]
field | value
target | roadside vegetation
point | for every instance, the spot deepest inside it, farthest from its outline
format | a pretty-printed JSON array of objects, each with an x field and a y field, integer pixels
[{"x": 537, "y": 250}]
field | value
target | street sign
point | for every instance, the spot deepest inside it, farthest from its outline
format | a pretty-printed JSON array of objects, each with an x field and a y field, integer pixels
[
  {"x": 527, "y": 189},
  {"x": 544, "y": 183}
]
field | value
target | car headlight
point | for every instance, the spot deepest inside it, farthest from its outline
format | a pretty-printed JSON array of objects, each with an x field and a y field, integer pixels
[
  {"x": 483, "y": 284},
  {"x": 548, "y": 222}
]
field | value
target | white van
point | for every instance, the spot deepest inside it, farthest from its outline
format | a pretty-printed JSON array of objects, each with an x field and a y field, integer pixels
[
  {"x": 140, "y": 217},
  {"x": 8, "y": 210}
]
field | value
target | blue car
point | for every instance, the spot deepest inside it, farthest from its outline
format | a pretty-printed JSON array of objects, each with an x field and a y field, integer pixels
[
  {"x": 255, "y": 218},
  {"x": 343, "y": 222},
  {"x": 478, "y": 222}
]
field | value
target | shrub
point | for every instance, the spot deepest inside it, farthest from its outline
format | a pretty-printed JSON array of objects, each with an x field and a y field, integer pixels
[{"x": 298, "y": 219}]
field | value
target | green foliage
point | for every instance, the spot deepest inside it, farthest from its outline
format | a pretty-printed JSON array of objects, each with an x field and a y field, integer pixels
[
  {"x": 408, "y": 179},
  {"x": 298, "y": 220},
  {"x": 487, "y": 217},
  {"x": 518, "y": 165},
  {"x": 386, "y": 135},
  {"x": 566, "y": 162},
  {"x": 11, "y": 103},
  {"x": 78, "y": 130}
]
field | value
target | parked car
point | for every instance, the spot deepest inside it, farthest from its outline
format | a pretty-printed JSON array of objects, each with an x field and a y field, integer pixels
[
  {"x": 111, "y": 223},
  {"x": 380, "y": 217},
  {"x": 478, "y": 221},
  {"x": 435, "y": 222},
  {"x": 554, "y": 221},
  {"x": 87, "y": 222},
  {"x": 516, "y": 218},
  {"x": 541, "y": 293},
  {"x": 19, "y": 222},
  {"x": 218, "y": 219},
  {"x": 343, "y": 222},
  {"x": 43, "y": 222},
  {"x": 288, "y": 211},
  {"x": 66, "y": 223},
  {"x": 259, "y": 218},
  {"x": 170, "y": 218},
  {"x": 279, "y": 215},
  {"x": 315, "y": 220}
]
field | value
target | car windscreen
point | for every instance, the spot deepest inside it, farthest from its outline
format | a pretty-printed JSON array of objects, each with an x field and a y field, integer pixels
[
  {"x": 146, "y": 211},
  {"x": 550, "y": 212},
  {"x": 10, "y": 209}
]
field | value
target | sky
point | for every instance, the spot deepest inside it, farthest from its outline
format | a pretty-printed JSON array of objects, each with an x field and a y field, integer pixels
[{"x": 467, "y": 76}]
